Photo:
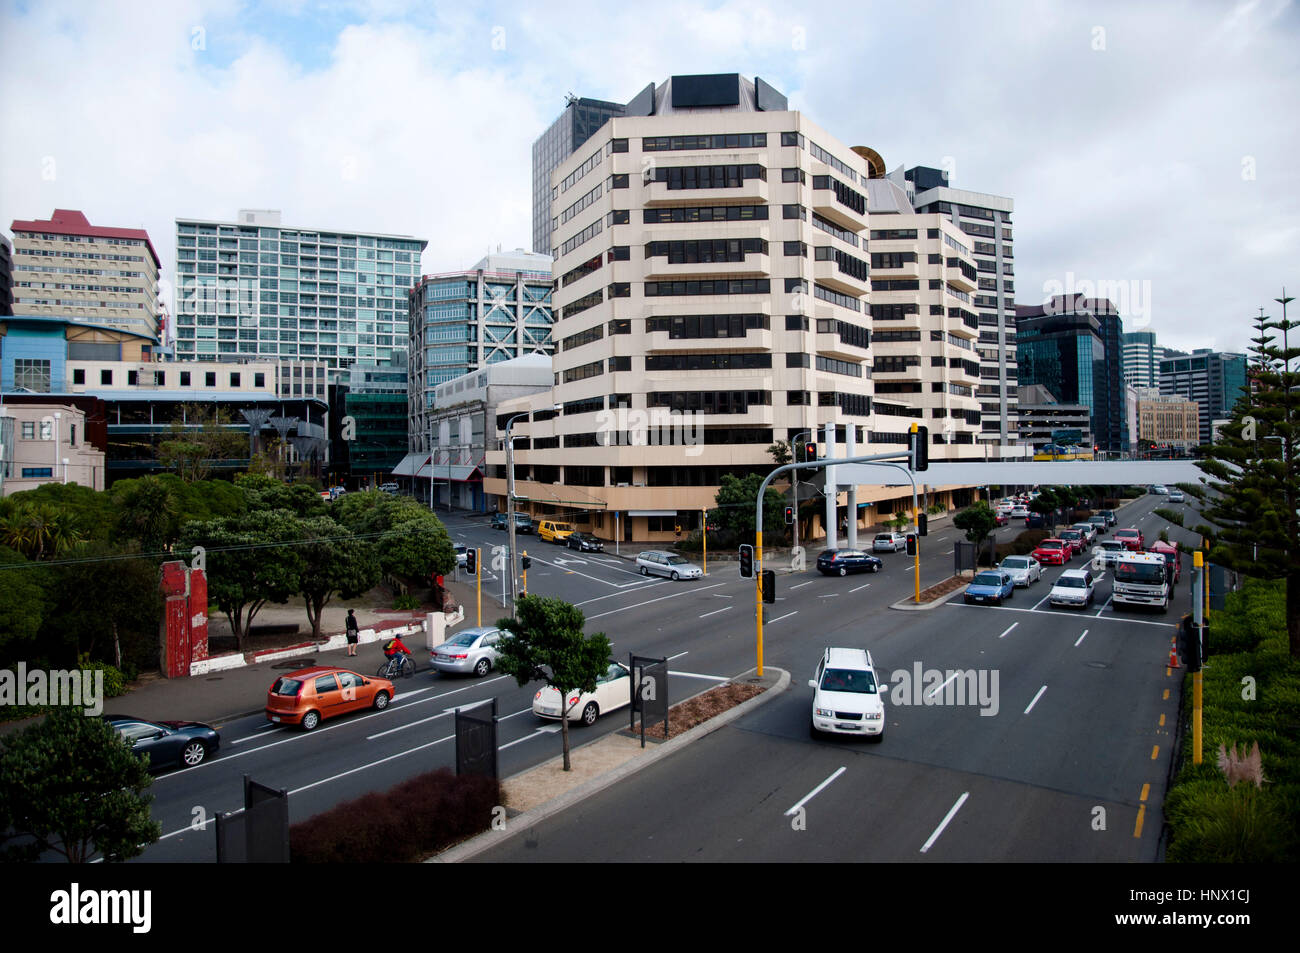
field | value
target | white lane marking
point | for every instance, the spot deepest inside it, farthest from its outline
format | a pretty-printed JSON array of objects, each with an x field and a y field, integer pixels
[
  {"x": 1104, "y": 605},
  {"x": 950, "y": 552},
  {"x": 829, "y": 595},
  {"x": 715, "y": 611},
  {"x": 1035, "y": 701},
  {"x": 939, "y": 688},
  {"x": 638, "y": 605},
  {"x": 711, "y": 678},
  {"x": 614, "y": 595},
  {"x": 941, "y": 539},
  {"x": 677, "y": 656},
  {"x": 544, "y": 730},
  {"x": 1085, "y": 632},
  {"x": 616, "y": 585},
  {"x": 1009, "y": 628},
  {"x": 815, "y": 791},
  {"x": 860, "y": 587},
  {"x": 1041, "y": 601},
  {"x": 1110, "y": 618},
  {"x": 944, "y": 823},
  {"x": 802, "y": 584},
  {"x": 779, "y": 618}
]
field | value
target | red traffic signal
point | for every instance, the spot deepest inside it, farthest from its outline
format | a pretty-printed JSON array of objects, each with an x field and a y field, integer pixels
[
  {"x": 911, "y": 544},
  {"x": 471, "y": 561},
  {"x": 810, "y": 451},
  {"x": 789, "y": 515},
  {"x": 746, "y": 561}
]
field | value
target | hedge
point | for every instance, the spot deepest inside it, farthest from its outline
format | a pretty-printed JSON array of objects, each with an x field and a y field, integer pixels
[
  {"x": 404, "y": 825},
  {"x": 1208, "y": 821}
]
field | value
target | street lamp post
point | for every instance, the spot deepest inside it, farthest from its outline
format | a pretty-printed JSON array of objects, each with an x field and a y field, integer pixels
[
  {"x": 794, "y": 453},
  {"x": 510, "y": 505}
]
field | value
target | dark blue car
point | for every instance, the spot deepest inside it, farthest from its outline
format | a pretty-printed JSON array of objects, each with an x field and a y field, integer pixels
[
  {"x": 167, "y": 744},
  {"x": 991, "y": 587},
  {"x": 841, "y": 562}
]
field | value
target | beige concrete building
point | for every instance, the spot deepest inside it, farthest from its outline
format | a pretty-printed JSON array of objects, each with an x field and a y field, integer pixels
[
  {"x": 1167, "y": 420},
  {"x": 712, "y": 287},
  {"x": 46, "y": 443},
  {"x": 93, "y": 275}
]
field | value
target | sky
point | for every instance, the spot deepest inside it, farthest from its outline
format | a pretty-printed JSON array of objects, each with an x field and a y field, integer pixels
[{"x": 1150, "y": 149}]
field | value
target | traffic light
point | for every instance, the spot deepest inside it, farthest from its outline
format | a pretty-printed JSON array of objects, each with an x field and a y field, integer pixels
[
  {"x": 789, "y": 515},
  {"x": 922, "y": 524},
  {"x": 911, "y": 544},
  {"x": 1189, "y": 644},
  {"x": 920, "y": 448},
  {"x": 526, "y": 561},
  {"x": 767, "y": 581},
  {"x": 746, "y": 562},
  {"x": 810, "y": 452},
  {"x": 471, "y": 561}
]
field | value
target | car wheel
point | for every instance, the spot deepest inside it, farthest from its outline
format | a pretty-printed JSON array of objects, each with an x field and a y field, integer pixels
[
  {"x": 643, "y": 571},
  {"x": 843, "y": 571},
  {"x": 381, "y": 701},
  {"x": 876, "y": 567},
  {"x": 482, "y": 667},
  {"x": 193, "y": 754},
  {"x": 590, "y": 714},
  {"x": 310, "y": 720},
  {"x": 675, "y": 577}
]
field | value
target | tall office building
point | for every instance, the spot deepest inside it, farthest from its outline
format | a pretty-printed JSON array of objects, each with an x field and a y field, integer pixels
[
  {"x": 465, "y": 320},
  {"x": 1214, "y": 379},
  {"x": 581, "y": 119},
  {"x": 1142, "y": 358},
  {"x": 1072, "y": 346},
  {"x": 90, "y": 274},
  {"x": 986, "y": 221},
  {"x": 253, "y": 289}
]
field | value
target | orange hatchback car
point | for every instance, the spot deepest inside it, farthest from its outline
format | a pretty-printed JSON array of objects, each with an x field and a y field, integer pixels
[{"x": 308, "y": 696}]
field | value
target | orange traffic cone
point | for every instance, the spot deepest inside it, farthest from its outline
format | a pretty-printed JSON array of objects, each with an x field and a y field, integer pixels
[{"x": 1173, "y": 656}]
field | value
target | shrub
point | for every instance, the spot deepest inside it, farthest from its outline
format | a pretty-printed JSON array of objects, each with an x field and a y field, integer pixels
[
  {"x": 404, "y": 825},
  {"x": 406, "y": 602},
  {"x": 114, "y": 680}
]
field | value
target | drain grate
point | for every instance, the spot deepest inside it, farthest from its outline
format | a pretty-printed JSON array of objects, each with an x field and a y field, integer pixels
[
  {"x": 214, "y": 678},
  {"x": 295, "y": 663}
]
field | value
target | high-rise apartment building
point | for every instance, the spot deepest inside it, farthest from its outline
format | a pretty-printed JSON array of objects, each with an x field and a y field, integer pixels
[
  {"x": 1165, "y": 421},
  {"x": 1214, "y": 379},
  {"x": 465, "y": 320},
  {"x": 581, "y": 119},
  {"x": 253, "y": 289},
  {"x": 90, "y": 274},
  {"x": 986, "y": 221},
  {"x": 712, "y": 279},
  {"x": 1142, "y": 358},
  {"x": 1072, "y": 346}
]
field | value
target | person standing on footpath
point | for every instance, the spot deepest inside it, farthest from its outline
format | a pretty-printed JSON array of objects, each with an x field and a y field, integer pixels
[{"x": 352, "y": 631}]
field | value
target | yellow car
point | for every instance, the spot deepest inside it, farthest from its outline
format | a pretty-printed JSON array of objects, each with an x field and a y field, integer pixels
[{"x": 553, "y": 532}]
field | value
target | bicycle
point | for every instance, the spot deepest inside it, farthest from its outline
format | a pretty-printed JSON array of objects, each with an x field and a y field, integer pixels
[{"x": 400, "y": 664}]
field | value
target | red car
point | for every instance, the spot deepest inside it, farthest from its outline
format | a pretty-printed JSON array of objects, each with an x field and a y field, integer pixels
[
  {"x": 310, "y": 695},
  {"x": 1074, "y": 539},
  {"x": 1053, "y": 552},
  {"x": 1131, "y": 538}
]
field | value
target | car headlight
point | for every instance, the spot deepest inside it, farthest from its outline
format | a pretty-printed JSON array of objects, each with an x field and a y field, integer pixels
[
  {"x": 823, "y": 713},
  {"x": 874, "y": 716}
]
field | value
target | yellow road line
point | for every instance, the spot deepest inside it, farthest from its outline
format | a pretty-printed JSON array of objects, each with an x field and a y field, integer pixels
[
  {"x": 1162, "y": 721},
  {"x": 1166, "y": 695},
  {"x": 1146, "y": 789},
  {"x": 1137, "y": 828},
  {"x": 1155, "y": 751}
]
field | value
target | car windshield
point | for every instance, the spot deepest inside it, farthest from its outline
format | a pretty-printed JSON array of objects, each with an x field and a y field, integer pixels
[
  {"x": 465, "y": 638},
  {"x": 676, "y": 561},
  {"x": 1050, "y": 544},
  {"x": 1127, "y": 533},
  {"x": 1071, "y": 534},
  {"x": 988, "y": 579},
  {"x": 1143, "y": 573},
  {"x": 1071, "y": 582},
  {"x": 849, "y": 680},
  {"x": 1015, "y": 562}
]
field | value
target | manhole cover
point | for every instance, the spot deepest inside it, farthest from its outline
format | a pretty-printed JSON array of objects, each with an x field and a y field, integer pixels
[
  {"x": 1097, "y": 664},
  {"x": 295, "y": 663}
]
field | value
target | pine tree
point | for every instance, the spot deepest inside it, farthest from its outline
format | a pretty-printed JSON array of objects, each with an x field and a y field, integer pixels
[{"x": 1254, "y": 471}]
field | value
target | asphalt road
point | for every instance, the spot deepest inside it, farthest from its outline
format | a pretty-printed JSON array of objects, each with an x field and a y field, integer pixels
[{"x": 1079, "y": 698}]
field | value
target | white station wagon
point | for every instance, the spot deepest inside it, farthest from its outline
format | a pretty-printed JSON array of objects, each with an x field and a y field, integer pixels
[
  {"x": 613, "y": 691},
  {"x": 656, "y": 563}
]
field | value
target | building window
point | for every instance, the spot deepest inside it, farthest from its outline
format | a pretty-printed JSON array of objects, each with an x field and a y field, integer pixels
[
  {"x": 132, "y": 378},
  {"x": 29, "y": 430},
  {"x": 32, "y": 374},
  {"x": 30, "y": 473},
  {"x": 234, "y": 380},
  {"x": 106, "y": 378},
  {"x": 210, "y": 379},
  {"x": 78, "y": 375},
  {"x": 159, "y": 378},
  {"x": 185, "y": 378},
  {"x": 72, "y": 435}
]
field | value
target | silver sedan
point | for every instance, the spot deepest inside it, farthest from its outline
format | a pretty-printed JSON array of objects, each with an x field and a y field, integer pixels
[
  {"x": 1024, "y": 570},
  {"x": 470, "y": 651}
]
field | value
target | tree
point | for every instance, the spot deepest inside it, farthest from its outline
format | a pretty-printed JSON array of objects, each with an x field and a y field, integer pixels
[
  {"x": 1254, "y": 473},
  {"x": 147, "y": 511},
  {"x": 546, "y": 643},
  {"x": 333, "y": 563},
  {"x": 978, "y": 520},
  {"x": 251, "y": 560},
  {"x": 37, "y": 530},
  {"x": 203, "y": 438},
  {"x": 781, "y": 453},
  {"x": 412, "y": 542},
  {"x": 736, "y": 497},
  {"x": 71, "y": 785},
  {"x": 23, "y": 603}
]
